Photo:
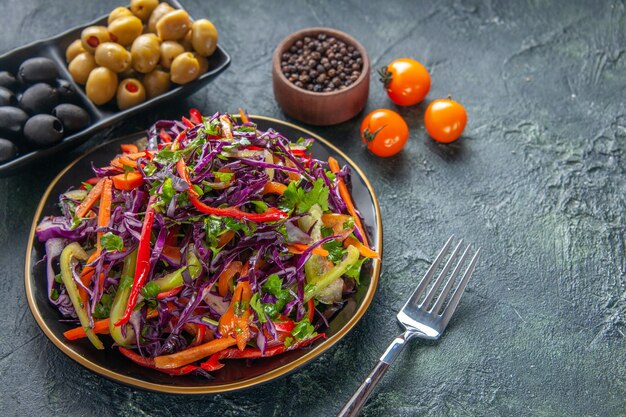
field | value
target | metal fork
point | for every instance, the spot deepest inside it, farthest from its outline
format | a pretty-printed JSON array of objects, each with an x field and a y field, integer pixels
[{"x": 421, "y": 316}]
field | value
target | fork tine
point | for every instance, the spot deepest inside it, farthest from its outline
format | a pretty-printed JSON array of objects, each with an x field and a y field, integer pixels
[
  {"x": 456, "y": 297},
  {"x": 444, "y": 293},
  {"x": 433, "y": 290},
  {"x": 417, "y": 292}
]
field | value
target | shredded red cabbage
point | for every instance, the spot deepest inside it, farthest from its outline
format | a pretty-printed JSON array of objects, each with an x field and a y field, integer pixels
[{"x": 284, "y": 258}]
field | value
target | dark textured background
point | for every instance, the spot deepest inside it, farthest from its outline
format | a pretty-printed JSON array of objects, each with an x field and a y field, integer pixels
[{"x": 538, "y": 181}]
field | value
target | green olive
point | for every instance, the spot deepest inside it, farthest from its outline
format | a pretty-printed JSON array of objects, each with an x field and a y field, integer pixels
[
  {"x": 203, "y": 62},
  {"x": 143, "y": 8},
  {"x": 93, "y": 36},
  {"x": 203, "y": 37},
  {"x": 156, "y": 83},
  {"x": 101, "y": 85},
  {"x": 74, "y": 49},
  {"x": 81, "y": 66},
  {"x": 124, "y": 30},
  {"x": 113, "y": 56},
  {"x": 117, "y": 13},
  {"x": 185, "y": 68},
  {"x": 145, "y": 53},
  {"x": 169, "y": 51},
  {"x": 161, "y": 10},
  {"x": 174, "y": 25},
  {"x": 130, "y": 93}
]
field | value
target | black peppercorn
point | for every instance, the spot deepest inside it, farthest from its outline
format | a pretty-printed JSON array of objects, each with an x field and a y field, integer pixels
[{"x": 321, "y": 63}]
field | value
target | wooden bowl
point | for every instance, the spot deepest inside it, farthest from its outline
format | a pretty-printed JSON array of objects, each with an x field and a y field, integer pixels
[{"x": 323, "y": 108}]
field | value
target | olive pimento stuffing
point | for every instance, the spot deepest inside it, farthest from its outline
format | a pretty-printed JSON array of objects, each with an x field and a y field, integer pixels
[{"x": 321, "y": 63}]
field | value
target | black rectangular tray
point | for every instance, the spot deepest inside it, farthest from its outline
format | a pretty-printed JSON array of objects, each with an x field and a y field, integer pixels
[{"x": 101, "y": 116}]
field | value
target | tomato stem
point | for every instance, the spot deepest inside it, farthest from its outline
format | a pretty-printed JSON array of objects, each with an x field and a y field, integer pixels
[
  {"x": 385, "y": 76},
  {"x": 369, "y": 135}
]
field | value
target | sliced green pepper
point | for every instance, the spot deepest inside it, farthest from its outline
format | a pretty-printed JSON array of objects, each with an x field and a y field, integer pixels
[
  {"x": 322, "y": 281},
  {"x": 316, "y": 265},
  {"x": 75, "y": 251},
  {"x": 313, "y": 220},
  {"x": 121, "y": 300},
  {"x": 175, "y": 279},
  {"x": 166, "y": 283}
]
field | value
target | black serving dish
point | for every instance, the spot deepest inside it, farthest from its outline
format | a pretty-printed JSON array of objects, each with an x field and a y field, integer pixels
[{"x": 101, "y": 116}]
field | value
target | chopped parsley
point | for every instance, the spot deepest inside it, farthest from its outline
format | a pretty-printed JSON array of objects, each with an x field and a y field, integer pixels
[
  {"x": 111, "y": 242},
  {"x": 297, "y": 198}
]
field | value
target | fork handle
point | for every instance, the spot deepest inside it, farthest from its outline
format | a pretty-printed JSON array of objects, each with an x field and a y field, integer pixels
[{"x": 355, "y": 404}]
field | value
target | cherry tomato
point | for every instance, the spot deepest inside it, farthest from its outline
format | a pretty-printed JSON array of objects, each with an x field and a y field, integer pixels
[
  {"x": 407, "y": 81},
  {"x": 384, "y": 132},
  {"x": 445, "y": 120}
]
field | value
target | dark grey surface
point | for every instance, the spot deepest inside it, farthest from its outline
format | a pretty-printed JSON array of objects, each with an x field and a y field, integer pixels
[{"x": 538, "y": 181}]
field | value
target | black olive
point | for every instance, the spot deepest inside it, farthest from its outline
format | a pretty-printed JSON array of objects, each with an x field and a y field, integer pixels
[
  {"x": 74, "y": 118},
  {"x": 7, "y": 98},
  {"x": 43, "y": 130},
  {"x": 12, "y": 120},
  {"x": 40, "y": 98},
  {"x": 7, "y": 80},
  {"x": 8, "y": 150},
  {"x": 35, "y": 70},
  {"x": 67, "y": 92}
]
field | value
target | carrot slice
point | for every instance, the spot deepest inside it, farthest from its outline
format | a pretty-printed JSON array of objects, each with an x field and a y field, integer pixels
[
  {"x": 127, "y": 157},
  {"x": 243, "y": 330},
  {"x": 225, "y": 278},
  {"x": 149, "y": 363},
  {"x": 99, "y": 327},
  {"x": 104, "y": 217},
  {"x": 333, "y": 219},
  {"x": 86, "y": 275},
  {"x": 129, "y": 148},
  {"x": 245, "y": 268},
  {"x": 187, "y": 356},
  {"x": 347, "y": 199},
  {"x": 104, "y": 212},
  {"x": 294, "y": 176},
  {"x": 128, "y": 181},
  {"x": 363, "y": 250},
  {"x": 225, "y": 238},
  {"x": 298, "y": 248},
  {"x": 92, "y": 197},
  {"x": 243, "y": 116},
  {"x": 273, "y": 187},
  {"x": 235, "y": 322},
  {"x": 124, "y": 160}
]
